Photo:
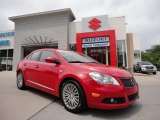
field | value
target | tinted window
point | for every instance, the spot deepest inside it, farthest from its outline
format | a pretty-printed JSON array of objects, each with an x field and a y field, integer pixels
[
  {"x": 3, "y": 53},
  {"x": 145, "y": 63},
  {"x": 46, "y": 54},
  {"x": 10, "y": 53},
  {"x": 34, "y": 56},
  {"x": 29, "y": 57}
]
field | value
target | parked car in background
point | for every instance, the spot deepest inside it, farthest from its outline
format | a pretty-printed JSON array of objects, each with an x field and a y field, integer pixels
[
  {"x": 145, "y": 67},
  {"x": 77, "y": 79}
]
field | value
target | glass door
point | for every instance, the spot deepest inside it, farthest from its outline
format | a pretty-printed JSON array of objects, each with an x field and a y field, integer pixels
[{"x": 97, "y": 53}]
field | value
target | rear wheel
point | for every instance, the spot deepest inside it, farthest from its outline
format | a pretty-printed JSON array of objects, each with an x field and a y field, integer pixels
[
  {"x": 73, "y": 96},
  {"x": 20, "y": 81}
]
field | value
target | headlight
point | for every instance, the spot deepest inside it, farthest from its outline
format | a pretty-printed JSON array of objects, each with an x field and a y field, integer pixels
[
  {"x": 154, "y": 68},
  {"x": 103, "y": 78},
  {"x": 143, "y": 68}
]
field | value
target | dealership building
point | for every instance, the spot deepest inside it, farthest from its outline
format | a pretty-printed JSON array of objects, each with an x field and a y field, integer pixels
[{"x": 100, "y": 37}]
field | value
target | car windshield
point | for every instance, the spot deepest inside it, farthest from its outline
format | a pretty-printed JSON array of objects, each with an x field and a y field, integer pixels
[
  {"x": 74, "y": 57},
  {"x": 145, "y": 63}
]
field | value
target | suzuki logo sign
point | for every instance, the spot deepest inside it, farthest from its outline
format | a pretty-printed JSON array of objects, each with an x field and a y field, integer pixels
[{"x": 94, "y": 23}]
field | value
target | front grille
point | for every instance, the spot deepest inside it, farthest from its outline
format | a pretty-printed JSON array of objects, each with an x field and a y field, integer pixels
[
  {"x": 149, "y": 67},
  {"x": 128, "y": 82},
  {"x": 118, "y": 100},
  {"x": 133, "y": 96}
]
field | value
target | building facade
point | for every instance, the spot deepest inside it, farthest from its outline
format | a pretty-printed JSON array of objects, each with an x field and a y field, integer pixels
[{"x": 100, "y": 37}]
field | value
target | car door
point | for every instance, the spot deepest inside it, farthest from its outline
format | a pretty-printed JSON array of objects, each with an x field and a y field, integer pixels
[
  {"x": 30, "y": 66},
  {"x": 47, "y": 72}
]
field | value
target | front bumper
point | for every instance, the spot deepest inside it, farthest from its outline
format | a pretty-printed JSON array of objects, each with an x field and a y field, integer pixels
[
  {"x": 148, "y": 70},
  {"x": 123, "y": 97}
]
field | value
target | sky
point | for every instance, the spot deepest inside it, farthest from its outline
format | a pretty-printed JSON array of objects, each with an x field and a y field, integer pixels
[{"x": 142, "y": 16}]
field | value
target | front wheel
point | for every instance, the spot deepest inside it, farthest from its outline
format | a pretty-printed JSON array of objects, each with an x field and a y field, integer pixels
[
  {"x": 140, "y": 71},
  {"x": 134, "y": 69},
  {"x": 154, "y": 73},
  {"x": 20, "y": 81},
  {"x": 73, "y": 96}
]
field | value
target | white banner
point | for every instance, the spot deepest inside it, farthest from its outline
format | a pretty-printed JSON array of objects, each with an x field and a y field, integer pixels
[{"x": 95, "y": 45}]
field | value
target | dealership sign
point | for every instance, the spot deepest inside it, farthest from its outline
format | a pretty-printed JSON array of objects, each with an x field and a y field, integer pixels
[
  {"x": 96, "y": 39},
  {"x": 94, "y": 23},
  {"x": 95, "y": 42},
  {"x": 5, "y": 34},
  {"x": 95, "y": 45},
  {"x": 4, "y": 42}
]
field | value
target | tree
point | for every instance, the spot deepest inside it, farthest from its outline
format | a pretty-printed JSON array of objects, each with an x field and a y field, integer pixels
[{"x": 152, "y": 55}]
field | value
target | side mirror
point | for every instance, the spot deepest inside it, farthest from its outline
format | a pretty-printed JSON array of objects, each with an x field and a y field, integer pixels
[{"x": 52, "y": 60}]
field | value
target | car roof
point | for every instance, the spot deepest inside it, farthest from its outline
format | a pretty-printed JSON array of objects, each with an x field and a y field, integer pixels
[{"x": 50, "y": 49}]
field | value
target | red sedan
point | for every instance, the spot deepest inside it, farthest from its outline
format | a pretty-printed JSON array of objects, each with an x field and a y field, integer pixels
[{"x": 77, "y": 79}]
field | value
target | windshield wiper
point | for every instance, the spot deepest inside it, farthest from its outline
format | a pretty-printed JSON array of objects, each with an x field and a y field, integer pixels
[{"x": 76, "y": 62}]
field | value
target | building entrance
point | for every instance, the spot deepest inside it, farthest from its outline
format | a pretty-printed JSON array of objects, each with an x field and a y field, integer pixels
[{"x": 100, "y": 54}]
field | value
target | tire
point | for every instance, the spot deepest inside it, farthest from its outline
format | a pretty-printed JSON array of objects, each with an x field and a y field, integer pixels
[
  {"x": 154, "y": 73},
  {"x": 73, "y": 97},
  {"x": 20, "y": 81}
]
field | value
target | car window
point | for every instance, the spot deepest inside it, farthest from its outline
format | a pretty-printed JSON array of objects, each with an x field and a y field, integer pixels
[
  {"x": 74, "y": 57},
  {"x": 29, "y": 57},
  {"x": 46, "y": 54},
  {"x": 34, "y": 56},
  {"x": 146, "y": 63}
]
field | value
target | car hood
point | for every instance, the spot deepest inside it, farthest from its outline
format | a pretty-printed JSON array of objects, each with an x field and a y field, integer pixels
[{"x": 109, "y": 70}]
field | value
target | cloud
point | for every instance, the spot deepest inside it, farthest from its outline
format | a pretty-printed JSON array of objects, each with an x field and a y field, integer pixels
[{"x": 142, "y": 16}]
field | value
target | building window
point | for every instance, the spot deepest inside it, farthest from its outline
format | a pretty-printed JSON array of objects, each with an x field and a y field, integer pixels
[
  {"x": 3, "y": 53},
  {"x": 137, "y": 54},
  {"x": 6, "y": 58},
  {"x": 121, "y": 53},
  {"x": 72, "y": 47},
  {"x": 10, "y": 53}
]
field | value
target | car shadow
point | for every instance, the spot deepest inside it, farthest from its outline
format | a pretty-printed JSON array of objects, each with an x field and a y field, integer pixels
[
  {"x": 111, "y": 114},
  {"x": 115, "y": 114},
  {"x": 42, "y": 94},
  {"x": 97, "y": 113}
]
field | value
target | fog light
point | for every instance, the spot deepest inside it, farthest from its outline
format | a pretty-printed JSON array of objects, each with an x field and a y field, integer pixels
[
  {"x": 112, "y": 100},
  {"x": 95, "y": 95}
]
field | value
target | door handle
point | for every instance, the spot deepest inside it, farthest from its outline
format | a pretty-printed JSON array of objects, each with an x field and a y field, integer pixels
[{"x": 37, "y": 66}]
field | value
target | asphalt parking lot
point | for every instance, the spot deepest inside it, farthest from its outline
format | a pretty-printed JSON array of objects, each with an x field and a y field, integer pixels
[{"x": 32, "y": 104}]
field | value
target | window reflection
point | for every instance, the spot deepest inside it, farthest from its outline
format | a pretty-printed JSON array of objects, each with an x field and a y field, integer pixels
[{"x": 121, "y": 53}]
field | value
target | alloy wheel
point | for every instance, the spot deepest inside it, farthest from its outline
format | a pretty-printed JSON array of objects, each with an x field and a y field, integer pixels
[
  {"x": 19, "y": 80},
  {"x": 71, "y": 96}
]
